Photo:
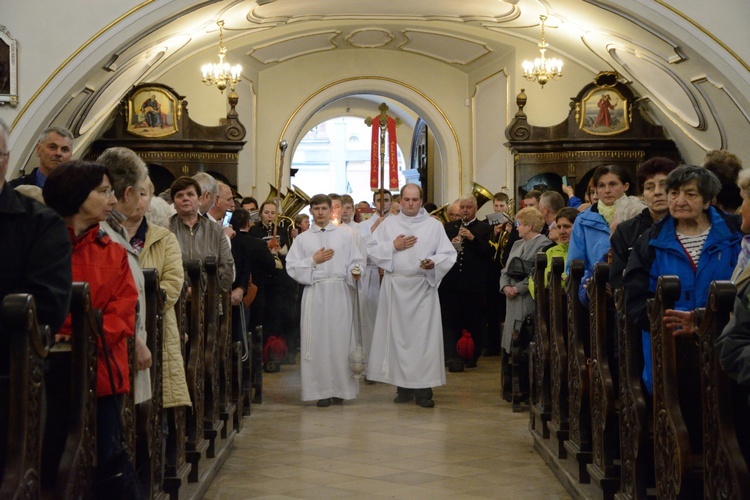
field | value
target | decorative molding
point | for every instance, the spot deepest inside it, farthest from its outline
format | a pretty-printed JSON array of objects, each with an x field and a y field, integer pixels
[
  {"x": 188, "y": 156},
  {"x": 307, "y": 45},
  {"x": 431, "y": 42},
  {"x": 387, "y": 37}
]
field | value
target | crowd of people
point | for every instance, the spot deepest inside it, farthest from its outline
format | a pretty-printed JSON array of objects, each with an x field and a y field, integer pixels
[{"x": 414, "y": 293}]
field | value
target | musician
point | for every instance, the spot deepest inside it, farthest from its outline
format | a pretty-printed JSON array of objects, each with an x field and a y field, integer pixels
[
  {"x": 463, "y": 292},
  {"x": 327, "y": 260},
  {"x": 495, "y": 310},
  {"x": 281, "y": 315}
]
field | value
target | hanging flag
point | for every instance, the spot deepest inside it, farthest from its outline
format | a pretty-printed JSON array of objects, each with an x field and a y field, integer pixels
[{"x": 392, "y": 155}]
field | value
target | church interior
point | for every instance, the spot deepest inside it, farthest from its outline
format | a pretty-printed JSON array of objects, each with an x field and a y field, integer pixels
[{"x": 457, "y": 77}]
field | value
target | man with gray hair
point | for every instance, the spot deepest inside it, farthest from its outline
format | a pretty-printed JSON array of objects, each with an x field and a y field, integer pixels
[
  {"x": 209, "y": 191},
  {"x": 54, "y": 146},
  {"x": 127, "y": 173},
  {"x": 550, "y": 202},
  {"x": 463, "y": 292}
]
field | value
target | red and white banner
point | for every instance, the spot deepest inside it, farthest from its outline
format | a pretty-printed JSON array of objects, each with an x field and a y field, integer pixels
[{"x": 375, "y": 155}]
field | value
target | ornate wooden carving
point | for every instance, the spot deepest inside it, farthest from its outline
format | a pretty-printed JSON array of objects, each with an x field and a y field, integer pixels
[
  {"x": 151, "y": 448},
  {"x": 636, "y": 443},
  {"x": 725, "y": 470},
  {"x": 605, "y": 437},
  {"x": 579, "y": 413},
  {"x": 540, "y": 354},
  {"x": 558, "y": 355},
  {"x": 196, "y": 444},
  {"x": 191, "y": 148},
  {"x": 678, "y": 463},
  {"x": 568, "y": 149},
  {"x": 75, "y": 475},
  {"x": 227, "y": 406},
  {"x": 24, "y": 347},
  {"x": 212, "y": 424}
]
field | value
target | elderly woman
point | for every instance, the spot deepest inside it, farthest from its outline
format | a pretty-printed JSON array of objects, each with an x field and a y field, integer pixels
[
  {"x": 81, "y": 192},
  {"x": 514, "y": 278},
  {"x": 694, "y": 241},
  {"x": 157, "y": 248}
]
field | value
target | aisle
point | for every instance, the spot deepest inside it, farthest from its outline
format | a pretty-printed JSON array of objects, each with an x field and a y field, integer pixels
[{"x": 471, "y": 445}]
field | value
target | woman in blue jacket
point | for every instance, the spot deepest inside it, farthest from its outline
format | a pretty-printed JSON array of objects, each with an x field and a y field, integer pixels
[
  {"x": 695, "y": 242},
  {"x": 590, "y": 238}
]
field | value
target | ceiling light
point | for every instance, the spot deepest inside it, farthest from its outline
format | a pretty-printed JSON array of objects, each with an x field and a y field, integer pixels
[
  {"x": 542, "y": 69},
  {"x": 221, "y": 74}
]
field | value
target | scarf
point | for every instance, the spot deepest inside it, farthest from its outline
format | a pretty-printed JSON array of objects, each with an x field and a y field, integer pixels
[
  {"x": 743, "y": 258},
  {"x": 608, "y": 212}
]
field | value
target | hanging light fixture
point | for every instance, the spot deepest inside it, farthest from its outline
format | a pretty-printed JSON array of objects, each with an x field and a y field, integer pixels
[
  {"x": 542, "y": 69},
  {"x": 221, "y": 74}
]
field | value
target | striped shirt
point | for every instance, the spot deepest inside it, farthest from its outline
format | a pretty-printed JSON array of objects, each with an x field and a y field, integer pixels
[{"x": 693, "y": 245}]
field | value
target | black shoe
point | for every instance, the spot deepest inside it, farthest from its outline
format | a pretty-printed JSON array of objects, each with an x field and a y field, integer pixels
[
  {"x": 455, "y": 365},
  {"x": 403, "y": 395},
  {"x": 324, "y": 403},
  {"x": 423, "y": 398},
  {"x": 337, "y": 401},
  {"x": 472, "y": 363}
]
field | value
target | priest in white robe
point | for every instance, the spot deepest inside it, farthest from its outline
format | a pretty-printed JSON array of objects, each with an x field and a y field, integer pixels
[
  {"x": 327, "y": 260},
  {"x": 407, "y": 348}
]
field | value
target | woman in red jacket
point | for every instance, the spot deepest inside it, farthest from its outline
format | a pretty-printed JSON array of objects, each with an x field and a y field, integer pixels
[{"x": 81, "y": 193}]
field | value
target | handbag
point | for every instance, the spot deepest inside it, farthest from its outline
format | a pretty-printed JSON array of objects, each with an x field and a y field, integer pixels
[
  {"x": 252, "y": 291},
  {"x": 518, "y": 269},
  {"x": 116, "y": 478}
]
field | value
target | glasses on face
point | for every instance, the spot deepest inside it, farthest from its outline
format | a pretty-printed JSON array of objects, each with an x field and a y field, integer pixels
[{"x": 105, "y": 191}]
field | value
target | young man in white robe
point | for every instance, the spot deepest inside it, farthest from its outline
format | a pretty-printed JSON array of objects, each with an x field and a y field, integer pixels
[
  {"x": 370, "y": 286},
  {"x": 327, "y": 260},
  {"x": 407, "y": 349}
]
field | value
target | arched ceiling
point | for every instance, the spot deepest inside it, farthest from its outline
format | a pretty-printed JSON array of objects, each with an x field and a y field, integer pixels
[{"x": 682, "y": 61}]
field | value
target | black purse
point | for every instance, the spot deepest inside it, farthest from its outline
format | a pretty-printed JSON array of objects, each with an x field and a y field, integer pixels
[
  {"x": 518, "y": 269},
  {"x": 116, "y": 478}
]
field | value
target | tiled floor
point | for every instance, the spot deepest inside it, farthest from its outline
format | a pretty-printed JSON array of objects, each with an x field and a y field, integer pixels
[{"x": 471, "y": 445}]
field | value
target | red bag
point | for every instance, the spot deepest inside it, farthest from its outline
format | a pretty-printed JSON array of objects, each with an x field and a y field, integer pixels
[
  {"x": 465, "y": 345},
  {"x": 275, "y": 349}
]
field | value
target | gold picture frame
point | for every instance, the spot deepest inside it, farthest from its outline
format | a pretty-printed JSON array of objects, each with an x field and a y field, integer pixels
[
  {"x": 604, "y": 112},
  {"x": 8, "y": 69},
  {"x": 153, "y": 112}
]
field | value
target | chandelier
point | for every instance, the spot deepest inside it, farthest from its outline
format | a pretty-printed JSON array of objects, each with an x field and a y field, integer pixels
[
  {"x": 542, "y": 69},
  {"x": 222, "y": 74}
]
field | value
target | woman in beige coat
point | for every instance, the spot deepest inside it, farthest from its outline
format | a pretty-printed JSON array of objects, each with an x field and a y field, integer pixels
[{"x": 158, "y": 249}]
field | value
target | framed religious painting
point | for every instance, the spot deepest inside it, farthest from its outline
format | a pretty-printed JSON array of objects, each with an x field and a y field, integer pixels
[
  {"x": 152, "y": 112},
  {"x": 8, "y": 69},
  {"x": 605, "y": 112}
]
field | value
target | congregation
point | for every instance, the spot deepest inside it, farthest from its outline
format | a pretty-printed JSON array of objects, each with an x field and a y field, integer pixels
[{"x": 413, "y": 293}]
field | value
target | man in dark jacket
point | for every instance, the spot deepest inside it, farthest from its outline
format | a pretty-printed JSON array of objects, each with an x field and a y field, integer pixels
[
  {"x": 35, "y": 256},
  {"x": 651, "y": 177},
  {"x": 53, "y": 147},
  {"x": 463, "y": 290}
]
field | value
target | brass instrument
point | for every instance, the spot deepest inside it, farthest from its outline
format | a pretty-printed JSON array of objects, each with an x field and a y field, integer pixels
[
  {"x": 502, "y": 238},
  {"x": 481, "y": 194},
  {"x": 442, "y": 213}
]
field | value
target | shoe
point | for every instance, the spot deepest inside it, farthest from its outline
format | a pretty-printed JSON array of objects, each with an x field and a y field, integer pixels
[
  {"x": 455, "y": 365},
  {"x": 337, "y": 401},
  {"x": 423, "y": 398},
  {"x": 324, "y": 403},
  {"x": 404, "y": 395},
  {"x": 472, "y": 363}
]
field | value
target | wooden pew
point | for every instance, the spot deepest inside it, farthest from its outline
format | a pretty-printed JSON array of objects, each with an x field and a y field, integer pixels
[
  {"x": 725, "y": 470},
  {"x": 605, "y": 434},
  {"x": 677, "y": 421},
  {"x": 212, "y": 423},
  {"x": 578, "y": 444},
  {"x": 23, "y": 346},
  {"x": 177, "y": 469},
  {"x": 540, "y": 405},
  {"x": 71, "y": 403},
  {"x": 150, "y": 438},
  {"x": 196, "y": 444},
  {"x": 636, "y": 438},
  {"x": 227, "y": 404},
  {"x": 558, "y": 330}
]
